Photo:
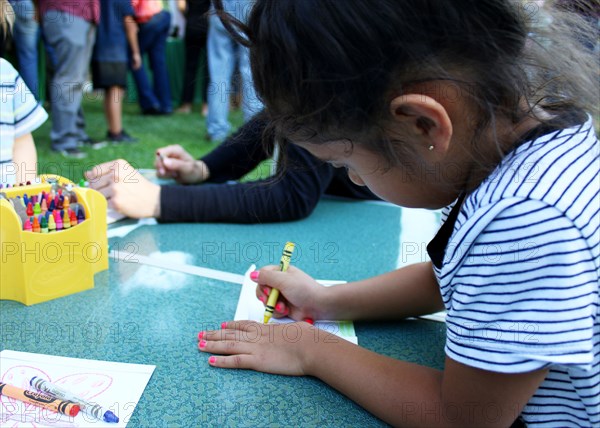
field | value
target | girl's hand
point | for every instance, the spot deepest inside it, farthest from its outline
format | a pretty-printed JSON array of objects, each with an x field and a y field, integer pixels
[
  {"x": 175, "y": 162},
  {"x": 270, "y": 348},
  {"x": 300, "y": 297}
]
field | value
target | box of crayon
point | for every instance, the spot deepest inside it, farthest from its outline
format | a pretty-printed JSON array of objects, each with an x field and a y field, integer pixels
[{"x": 52, "y": 239}]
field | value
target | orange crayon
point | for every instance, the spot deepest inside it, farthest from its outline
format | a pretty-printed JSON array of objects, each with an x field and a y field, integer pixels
[
  {"x": 39, "y": 399},
  {"x": 35, "y": 226}
]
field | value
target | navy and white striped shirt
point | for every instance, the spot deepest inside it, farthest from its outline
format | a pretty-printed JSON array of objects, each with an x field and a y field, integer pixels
[{"x": 520, "y": 274}]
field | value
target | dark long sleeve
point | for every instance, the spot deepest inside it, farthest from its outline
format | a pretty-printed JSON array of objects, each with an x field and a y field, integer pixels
[
  {"x": 239, "y": 154},
  {"x": 290, "y": 197}
]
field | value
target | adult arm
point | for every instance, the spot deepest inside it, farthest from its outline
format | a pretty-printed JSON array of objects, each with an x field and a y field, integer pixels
[
  {"x": 292, "y": 196},
  {"x": 231, "y": 160},
  {"x": 239, "y": 154}
]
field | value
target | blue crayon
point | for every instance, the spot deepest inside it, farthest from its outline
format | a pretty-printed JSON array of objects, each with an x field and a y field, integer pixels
[{"x": 94, "y": 410}]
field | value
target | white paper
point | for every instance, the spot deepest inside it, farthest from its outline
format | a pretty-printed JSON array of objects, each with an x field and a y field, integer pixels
[
  {"x": 250, "y": 308},
  {"x": 115, "y": 386}
]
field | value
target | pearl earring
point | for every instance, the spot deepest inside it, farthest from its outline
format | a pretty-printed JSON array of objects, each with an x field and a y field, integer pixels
[{"x": 431, "y": 148}]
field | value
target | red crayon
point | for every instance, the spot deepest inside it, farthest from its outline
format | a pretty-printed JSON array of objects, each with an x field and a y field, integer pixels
[
  {"x": 29, "y": 209},
  {"x": 73, "y": 218}
]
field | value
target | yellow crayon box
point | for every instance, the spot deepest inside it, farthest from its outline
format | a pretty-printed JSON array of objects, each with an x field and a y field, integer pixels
[{"x": 37, "y": 267}]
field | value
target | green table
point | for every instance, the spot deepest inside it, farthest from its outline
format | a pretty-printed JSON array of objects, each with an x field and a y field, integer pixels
[{"x": 141, "y": 314}]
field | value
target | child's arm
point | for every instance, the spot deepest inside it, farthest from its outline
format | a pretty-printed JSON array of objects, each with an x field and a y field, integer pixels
[
  {"x": 409, "y": 291},
  {"x": 182, "y": 6},
  {"x": 400, "y": 393},
  {"x": 131, "y": 30},
  {"x": 25, "y": 158}
]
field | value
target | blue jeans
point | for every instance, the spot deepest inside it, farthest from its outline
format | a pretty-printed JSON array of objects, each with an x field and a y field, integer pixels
[
  {"x": 152, "y": 38},
  {"x": 72, "y": 40},
  {"x": 26, "y": 35},
  {"x": 223, "y": 53}
]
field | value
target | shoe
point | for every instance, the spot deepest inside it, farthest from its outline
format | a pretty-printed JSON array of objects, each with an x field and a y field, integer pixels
[
  {"x": 156, "y": 111},
  {"x": 121, "y": 137},
  {"x": 89, "y": 142},
  {"x": 152, "y": 111},
  {"x": 73, "y": 152}
]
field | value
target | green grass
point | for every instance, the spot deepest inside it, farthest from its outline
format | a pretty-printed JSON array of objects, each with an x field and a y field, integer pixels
[{"x": 153, "y": 132}]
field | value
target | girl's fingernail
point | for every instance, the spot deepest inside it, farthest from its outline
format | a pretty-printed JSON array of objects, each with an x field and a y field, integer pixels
[
  {"x": 212, "y": 360},
  {"x": 201, "y": 335},
  {"x": 279, "y": 307},
  {"x": 262, "y": 299},
  {"x": 224, "y": 324},
  {"x": 254, "y": 275},
  {"x": 267, "y": 291},
  {"x": 202, "y": 344}
]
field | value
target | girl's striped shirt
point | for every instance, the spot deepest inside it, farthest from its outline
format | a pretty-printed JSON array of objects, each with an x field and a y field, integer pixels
[{"x": 520, "y": 274}]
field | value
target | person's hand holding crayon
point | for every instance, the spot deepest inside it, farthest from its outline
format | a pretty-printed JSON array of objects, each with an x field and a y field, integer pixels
[
  {"x": 300, "y": 297},
  {"x": 175, "y": 162}
]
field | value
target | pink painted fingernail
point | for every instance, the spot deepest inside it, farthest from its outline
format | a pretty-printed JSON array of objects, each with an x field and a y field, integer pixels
[
  {"x": 202, "y": 344},
  {"x": 224, "y": 324},
  {"x": 201, "y": 335},
  {"x": 262, "y": 299},
  {"x": 212, "y": 360},
  {"x": 254, "y": 275},
  {"x": 279, "y": 307}
]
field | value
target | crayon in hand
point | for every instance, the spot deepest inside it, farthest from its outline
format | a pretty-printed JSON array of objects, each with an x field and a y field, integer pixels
[
  {"x": 39, "y": 399},
  {"x": 274, "y": 295}
]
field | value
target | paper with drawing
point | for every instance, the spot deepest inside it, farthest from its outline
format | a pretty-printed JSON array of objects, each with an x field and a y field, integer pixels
[{"x": 115, "y": 386}]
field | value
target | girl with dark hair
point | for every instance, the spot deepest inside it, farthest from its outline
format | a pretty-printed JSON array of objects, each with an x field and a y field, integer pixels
[{"x": 432, "y": 104}]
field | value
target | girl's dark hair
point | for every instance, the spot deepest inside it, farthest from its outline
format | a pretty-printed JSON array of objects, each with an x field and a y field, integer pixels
[{"x": 327, "y": 69}]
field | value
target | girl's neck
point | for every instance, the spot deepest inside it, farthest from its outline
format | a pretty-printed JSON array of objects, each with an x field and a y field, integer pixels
[{"x": 502, "y": 139}]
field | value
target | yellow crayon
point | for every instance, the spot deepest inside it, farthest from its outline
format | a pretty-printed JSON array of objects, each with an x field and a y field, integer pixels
[{"x": 283, "y": 266}]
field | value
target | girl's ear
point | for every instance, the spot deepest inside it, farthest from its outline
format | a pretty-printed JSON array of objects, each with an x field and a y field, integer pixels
[{"x": 425, "y": 119}]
